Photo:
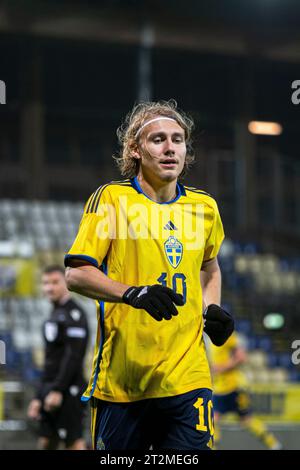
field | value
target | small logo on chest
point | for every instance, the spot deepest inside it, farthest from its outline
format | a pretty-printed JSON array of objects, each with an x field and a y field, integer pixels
[{"x": 173, "y": 250}]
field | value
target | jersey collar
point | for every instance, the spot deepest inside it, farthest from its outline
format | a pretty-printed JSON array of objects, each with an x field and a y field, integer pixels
[{"x": 179, "y": 190}]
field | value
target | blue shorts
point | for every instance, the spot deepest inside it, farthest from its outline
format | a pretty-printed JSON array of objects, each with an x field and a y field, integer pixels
[
  {"x": 235, "y": 402},
  {"x": 181, "y": 422}
]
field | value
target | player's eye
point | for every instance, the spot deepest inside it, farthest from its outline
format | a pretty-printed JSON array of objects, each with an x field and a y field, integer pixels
[
  {"x": 178, "y": 140},
  {"x": 157, "y": 140}
]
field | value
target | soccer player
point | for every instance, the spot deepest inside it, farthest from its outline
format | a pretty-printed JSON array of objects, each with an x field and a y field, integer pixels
[
  {"x": 230, "y": 390},
  {"x": 141, "y": 245},
  {"x": 57, "y": 405}
]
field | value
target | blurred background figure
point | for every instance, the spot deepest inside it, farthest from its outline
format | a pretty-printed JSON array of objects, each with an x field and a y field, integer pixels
[
  {"x": 71, "y": 74},
  {"x": 57, "y": 404},
  {"x": 231, "y": 393}
]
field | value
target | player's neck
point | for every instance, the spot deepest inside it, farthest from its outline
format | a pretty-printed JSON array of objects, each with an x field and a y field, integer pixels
[
  {"x": 157, "y": 191},
  {"x": 64, "y": 299}
]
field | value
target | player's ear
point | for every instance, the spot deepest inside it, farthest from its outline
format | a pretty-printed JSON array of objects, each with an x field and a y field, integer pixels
[
  {"x": 135, "y": 152},
  {"x": 136, "y": 155}
]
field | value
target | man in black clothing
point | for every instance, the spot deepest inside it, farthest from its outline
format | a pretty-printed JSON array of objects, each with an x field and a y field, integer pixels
[{"x": 57, "y": 404}]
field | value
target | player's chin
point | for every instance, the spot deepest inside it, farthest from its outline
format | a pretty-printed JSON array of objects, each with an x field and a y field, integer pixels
[{"x": 53, "y": 298}]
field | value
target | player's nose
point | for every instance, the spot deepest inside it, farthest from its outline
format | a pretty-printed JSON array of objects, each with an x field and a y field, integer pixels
[{"x": 169, "y": 147}]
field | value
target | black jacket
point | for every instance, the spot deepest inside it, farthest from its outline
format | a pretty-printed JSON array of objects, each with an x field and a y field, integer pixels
[{"x": 66, "y": 338}]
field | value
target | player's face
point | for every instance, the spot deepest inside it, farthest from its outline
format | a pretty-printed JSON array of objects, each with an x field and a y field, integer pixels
[
  {"x": 54, "y": 286},
  {"x": 163, "y": 150}
]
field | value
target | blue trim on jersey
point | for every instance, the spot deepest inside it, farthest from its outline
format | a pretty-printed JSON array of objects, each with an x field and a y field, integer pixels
[
  {"x": 138, "y": 188},
  {"x": 102, "y": 338},
  {"x": 182, "y": 189},
  {"x": 91, "y": 260}
]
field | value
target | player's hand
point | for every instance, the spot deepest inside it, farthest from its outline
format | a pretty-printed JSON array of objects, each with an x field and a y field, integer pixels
[
  {"x": 157, "y": 300},
  {"x": 53, "y": 401},
  {"x": 34, "y": 409},
  {"x": 218, "y": 324}
]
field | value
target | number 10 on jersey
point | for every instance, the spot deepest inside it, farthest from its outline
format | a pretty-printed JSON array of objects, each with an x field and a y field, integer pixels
[{"x": 178, "y": 283}]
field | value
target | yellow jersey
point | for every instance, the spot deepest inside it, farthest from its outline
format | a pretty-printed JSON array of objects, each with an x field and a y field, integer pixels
[
  {"x": 231, "y": 380},
  {"x": 137, "y": 241}
]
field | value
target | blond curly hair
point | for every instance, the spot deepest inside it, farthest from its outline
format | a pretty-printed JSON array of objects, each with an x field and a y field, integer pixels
[{"x": 141, "y": 113}]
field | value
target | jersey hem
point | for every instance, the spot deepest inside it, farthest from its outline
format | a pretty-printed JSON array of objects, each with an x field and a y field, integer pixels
[{"x": 125, "y": 399}]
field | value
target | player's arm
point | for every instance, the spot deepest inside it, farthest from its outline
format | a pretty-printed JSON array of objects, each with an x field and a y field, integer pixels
[
  {"x": 157, "y": 300},
  {"x": 218, "y": 324},
  {"x": 34, "y": 409},
  {"x": 211, "y": 281},
  {"x": 89, "y": 281}
]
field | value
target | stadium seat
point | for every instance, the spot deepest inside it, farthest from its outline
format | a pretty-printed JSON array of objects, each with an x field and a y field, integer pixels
[
  {"x": 264, "y": 343},
  {"x": 262, "y": 376},
  {"x": 284, "y": 360},
  {"x": 278, "y": 375},
  {"x": 250, "y": 248},
  {"x": 243, "y": 326},
  {"x": 257, "y": 359},
  {"x": 294, "y": 375}
]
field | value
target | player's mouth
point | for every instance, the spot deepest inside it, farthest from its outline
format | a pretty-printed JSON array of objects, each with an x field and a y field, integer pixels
[{"x": 169, "y": 163}]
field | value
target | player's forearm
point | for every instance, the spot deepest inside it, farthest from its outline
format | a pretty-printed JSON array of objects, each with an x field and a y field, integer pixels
[
  {"x": 90, "y": 282},
  {"x": 235, "y": 361},
  {"x": 231, "y": 364},
  {"x": 211, "y": 281},
  {"x": 238, "y": 358}
]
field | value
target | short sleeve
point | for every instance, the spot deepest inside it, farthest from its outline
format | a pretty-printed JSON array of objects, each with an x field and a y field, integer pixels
[
  {"x": 215, "y": 238},
  {"x": 94, "y": 235}
]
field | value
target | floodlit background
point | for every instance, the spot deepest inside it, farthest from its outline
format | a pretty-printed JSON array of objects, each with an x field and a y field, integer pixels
[{"x": 72, "y": 70}]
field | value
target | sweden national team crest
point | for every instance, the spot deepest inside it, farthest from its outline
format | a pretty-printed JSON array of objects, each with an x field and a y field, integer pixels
[{"x": 173, "y": 250}]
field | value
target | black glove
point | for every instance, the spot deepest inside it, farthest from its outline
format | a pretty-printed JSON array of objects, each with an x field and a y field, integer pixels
[
  {"x": 218, "y": 324},
  {"x": 157, "y": 300}
]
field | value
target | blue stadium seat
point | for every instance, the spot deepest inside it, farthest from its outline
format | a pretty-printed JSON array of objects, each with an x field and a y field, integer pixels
[
  {"x": 32, "y": 375},
  {"x": 7, "y": 338},
  {"x": 250, "y": 248},
  {"x": 227, "y": 265},
  {"x": 284, "y": 360},
  {"x": 227, "y": 307},
  {"x": 273, "y": 360},
  {"x": 284, "y": 265},
  {"x": 296, "y": 264},
  {"x": 264, "y": 343},
  {"x": 294, "y": 376},
  {"x": 243, "y": 326},
  {"x": 238, "y": 247},
  {"x": 251, "y": 342},
  {"x": 13, "y": 360}
]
